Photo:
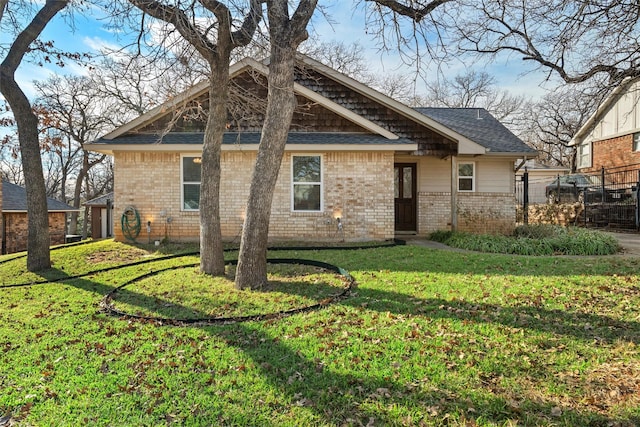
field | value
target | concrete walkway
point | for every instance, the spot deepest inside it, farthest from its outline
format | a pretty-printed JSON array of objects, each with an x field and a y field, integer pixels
[{"x": 630, "y": 242}]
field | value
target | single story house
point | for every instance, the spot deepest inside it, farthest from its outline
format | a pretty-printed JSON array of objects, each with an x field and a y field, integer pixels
[
  {"x": 101, "y": 215},
  {"x": 610, "y": 138},
  {"x": 13, "y": 213},
  {"x": 357, "y": 163}
]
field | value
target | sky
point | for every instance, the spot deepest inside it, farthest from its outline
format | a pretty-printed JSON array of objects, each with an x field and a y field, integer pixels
[{"x": 91, "y": 32}]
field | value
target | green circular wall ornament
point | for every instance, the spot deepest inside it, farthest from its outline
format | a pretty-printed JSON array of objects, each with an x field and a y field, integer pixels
[{"x": 130, "y": 223}]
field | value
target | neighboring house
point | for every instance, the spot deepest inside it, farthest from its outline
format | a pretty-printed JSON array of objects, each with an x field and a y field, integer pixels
[
  {"x": 611, "y": 136},
  {"x": 354, "y": 157},
  {"x": 539, "y": 177},
  {"x": 13, "y": 210},
  {"x": 101, "y": 216}
]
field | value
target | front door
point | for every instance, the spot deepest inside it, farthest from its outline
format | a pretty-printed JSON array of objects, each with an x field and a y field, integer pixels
[{"x": 405, "y": 196}]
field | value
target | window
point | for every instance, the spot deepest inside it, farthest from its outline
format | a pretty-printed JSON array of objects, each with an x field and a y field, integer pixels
[
  {"x": 307, "y": 183},
  {"x": 191, "y": 183},
  {"x": 584, "y": 155},
  {"x": 636, "y": 141},
  {"x": 466, "y": 176}
]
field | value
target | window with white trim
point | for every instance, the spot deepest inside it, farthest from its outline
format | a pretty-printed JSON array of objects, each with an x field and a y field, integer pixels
[
  {"x": 190, "y": 176},
  {"x": 584, "y": 155},
  {"x": 466, "y": 176},
  {"x": 306, "y": 181},
  {"x": 636, "y": 141}
]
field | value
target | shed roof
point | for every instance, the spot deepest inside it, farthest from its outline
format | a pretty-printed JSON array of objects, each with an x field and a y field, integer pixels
[
  {"x": 14, "y": 199},
  {"x": 100, "y": 200}
]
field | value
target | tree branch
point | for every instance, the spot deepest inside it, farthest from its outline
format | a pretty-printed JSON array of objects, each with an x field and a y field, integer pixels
[{"x": 415, "y": 13}]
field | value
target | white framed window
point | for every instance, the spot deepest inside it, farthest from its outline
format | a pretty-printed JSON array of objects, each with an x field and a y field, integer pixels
[
  {"x": 584, "y": 155},
  {"x": 306, "y": 183},
  {"x": 190, "y": 167},
  {"x": 636, "y": 141},
  {"x": 466, "y": 176}
]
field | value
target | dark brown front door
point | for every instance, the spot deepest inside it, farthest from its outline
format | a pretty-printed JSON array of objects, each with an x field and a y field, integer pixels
[{"x": 405, "y": 196}]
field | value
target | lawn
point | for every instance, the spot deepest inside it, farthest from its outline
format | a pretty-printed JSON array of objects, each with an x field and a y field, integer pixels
[{"x": 426, "y": 337}]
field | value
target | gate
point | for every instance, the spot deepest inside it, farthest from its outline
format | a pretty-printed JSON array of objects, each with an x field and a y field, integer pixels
[{"x": 609, "y": 198}]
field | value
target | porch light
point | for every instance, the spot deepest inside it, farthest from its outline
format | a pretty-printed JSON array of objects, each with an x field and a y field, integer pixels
[{"x": 197, "y": 160}]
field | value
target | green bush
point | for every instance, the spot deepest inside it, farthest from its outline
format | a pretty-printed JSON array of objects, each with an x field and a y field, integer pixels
[
  {"x": 534, "y": 240},
  {"x": 539, "y": 231}
]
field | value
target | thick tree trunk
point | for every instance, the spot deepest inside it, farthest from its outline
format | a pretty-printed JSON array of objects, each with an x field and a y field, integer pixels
[
  {"x": 211, "y": 249},
  {"x": 38, "y": 240},
  {"x": 281, "y": 102}
]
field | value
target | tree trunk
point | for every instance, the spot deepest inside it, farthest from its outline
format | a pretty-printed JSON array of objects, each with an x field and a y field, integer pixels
[
  {"x": 77, "y": 191},
  {"x": 38, "y": 240},
  {"x": 252, "y": 260},
  {"x": 211, "y": 250}
]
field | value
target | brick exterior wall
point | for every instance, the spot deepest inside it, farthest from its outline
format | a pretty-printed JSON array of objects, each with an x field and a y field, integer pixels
[
  {"x": 613, "y": 152},
  {"x": 357, "y": 187},
  {"x": 16, "y": 230},
  {"x": 486, "y": 213}
]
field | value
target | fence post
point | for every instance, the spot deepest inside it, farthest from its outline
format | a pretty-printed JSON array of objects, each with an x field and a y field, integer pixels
[
  {"x": 604, "y": 195},
  {"x": 525, "y": 196},
  {"x": 638, "y": 201}
]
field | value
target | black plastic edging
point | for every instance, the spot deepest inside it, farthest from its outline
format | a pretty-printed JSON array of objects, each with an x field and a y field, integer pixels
[
  {"x": 146, "y": 261},
  {"x": 107, "y": 306}
]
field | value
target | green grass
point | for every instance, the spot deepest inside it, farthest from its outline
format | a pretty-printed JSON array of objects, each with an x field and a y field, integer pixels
[
  {"x": 534, "y": 240},
  {"x": 428, "y": 337}
]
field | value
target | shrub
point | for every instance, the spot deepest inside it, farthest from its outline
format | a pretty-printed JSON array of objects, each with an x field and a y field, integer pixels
[{"x": 534, "y": 240}]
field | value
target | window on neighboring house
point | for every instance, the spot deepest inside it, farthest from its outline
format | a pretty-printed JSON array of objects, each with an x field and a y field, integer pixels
[
  {"x": 466, "y": 176},
  {"x": 191, "y": 183},
  {"x": 584, "y": 155},
  {"x": 307, "y": 183},
  {"x": 636, "y": 141}
]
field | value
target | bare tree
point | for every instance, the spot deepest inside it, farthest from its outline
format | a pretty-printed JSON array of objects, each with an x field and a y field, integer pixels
[
  {"x": 576, "y": 40},
  {"x": 349, "y": 59},
  {"x": 38, "y": 240},
  {"x": 215, "y": 43},
  {"x": 78, "y": 113},
  {"x": 286, "y": 33},
  {"x": 474, "y": 90},
  {"x": 549, "y": 124}
]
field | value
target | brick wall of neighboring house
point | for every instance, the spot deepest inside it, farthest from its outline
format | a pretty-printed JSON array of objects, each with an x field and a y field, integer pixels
[
  {"x": 485, "y": 213},
  {"x": 16, "y": 230},
  {"x": 3, "y": 250},
  {"x": 357, "y": 187},
  {"x": 613, "y": 152}
]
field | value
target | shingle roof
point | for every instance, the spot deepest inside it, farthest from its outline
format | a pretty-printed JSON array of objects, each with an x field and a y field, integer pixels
[
  {"x": 480, "y": 126},
  {"x": 14, "y": 198},
  {"x": 100, "y": 200},
  {"x": 327, "y": 138}
]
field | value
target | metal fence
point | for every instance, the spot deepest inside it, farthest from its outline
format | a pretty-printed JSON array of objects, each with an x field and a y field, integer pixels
[{"x": 609, "y": 198}]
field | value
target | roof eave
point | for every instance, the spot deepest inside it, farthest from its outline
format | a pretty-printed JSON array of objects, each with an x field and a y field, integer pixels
[{"x": 197, "y": 148}]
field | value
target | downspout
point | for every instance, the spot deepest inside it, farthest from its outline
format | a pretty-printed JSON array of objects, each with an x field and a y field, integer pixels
[{"x": 454, "y": 193}]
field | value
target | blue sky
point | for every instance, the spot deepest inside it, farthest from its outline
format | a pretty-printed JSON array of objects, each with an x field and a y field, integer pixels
[{"x": 349, "y": 26}]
